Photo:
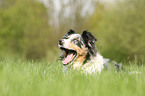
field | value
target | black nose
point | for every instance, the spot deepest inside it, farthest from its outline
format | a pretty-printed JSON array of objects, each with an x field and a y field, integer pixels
[{"x": 61, "y": 42}]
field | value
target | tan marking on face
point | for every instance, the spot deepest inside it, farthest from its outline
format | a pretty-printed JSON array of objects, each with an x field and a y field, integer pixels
[
  {"x": 80, "y": 60},
  {"x": 80, "y": 52}
]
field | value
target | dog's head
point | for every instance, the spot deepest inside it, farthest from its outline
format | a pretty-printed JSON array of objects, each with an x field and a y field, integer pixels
[{"x": 77, "y": 47}]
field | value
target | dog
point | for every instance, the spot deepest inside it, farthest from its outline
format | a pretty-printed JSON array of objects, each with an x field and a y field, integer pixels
[{"x": 80, "y": 52}]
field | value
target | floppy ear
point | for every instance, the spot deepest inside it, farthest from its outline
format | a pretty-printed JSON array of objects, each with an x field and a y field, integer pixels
[
  {"x": 70, "y": 32},
  {"x": 89, "y": 39}
]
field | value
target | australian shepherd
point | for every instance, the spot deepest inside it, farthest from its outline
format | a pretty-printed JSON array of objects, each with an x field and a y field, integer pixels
[{"x": 80, "y": 52}]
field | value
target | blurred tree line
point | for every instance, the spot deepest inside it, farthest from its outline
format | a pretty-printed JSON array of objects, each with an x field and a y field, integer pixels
[
  {"x": 23, "y": 28},
  {"x": 31, "y": 29},
  {"x": 120, "y": 29}
]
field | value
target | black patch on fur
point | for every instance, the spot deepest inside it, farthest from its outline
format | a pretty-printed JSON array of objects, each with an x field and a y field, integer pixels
[
  {"x": 79, "y": 44},
  {"x": 87, "y": 58},
  {"x": 89, "y": 41},
  {"x": 112, "y": 65},
  {"x": 70, "y": 32},
  {"x": 62, "y": 55}
]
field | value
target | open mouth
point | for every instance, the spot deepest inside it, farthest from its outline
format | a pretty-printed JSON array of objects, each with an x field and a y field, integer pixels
[{"x": 69, "y": 56}]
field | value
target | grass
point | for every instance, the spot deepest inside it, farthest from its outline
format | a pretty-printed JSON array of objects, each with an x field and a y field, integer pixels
[{"x": 29, "y": 78}]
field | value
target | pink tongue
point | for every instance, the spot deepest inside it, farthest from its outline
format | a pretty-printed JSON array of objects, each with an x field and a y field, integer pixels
[{"x": 68, "y": 58}]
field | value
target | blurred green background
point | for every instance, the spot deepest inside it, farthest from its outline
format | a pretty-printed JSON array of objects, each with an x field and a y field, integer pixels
[{"x": 30, "y": 29}]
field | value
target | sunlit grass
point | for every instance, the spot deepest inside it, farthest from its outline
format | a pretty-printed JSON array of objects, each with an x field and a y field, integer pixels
[{"x": 29, "y": 78}]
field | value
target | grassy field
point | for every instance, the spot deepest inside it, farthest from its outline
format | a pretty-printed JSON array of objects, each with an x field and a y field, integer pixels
[{"x": 29, "y": 78}]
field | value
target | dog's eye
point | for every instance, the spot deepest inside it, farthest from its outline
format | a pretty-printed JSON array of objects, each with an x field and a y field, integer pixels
[{"x": 75, "y": 41}]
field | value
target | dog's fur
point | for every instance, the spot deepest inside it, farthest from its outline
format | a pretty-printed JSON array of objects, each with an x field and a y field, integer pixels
[{"x": 80, "y": 52}]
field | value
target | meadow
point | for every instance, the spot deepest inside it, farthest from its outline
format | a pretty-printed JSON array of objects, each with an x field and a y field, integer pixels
[
  {"x": 42, "y": 78},
  {"x": 30, "y": 29}
]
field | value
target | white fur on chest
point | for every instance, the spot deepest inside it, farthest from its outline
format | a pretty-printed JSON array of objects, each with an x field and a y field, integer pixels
[{"x": 95, "y": 65}]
